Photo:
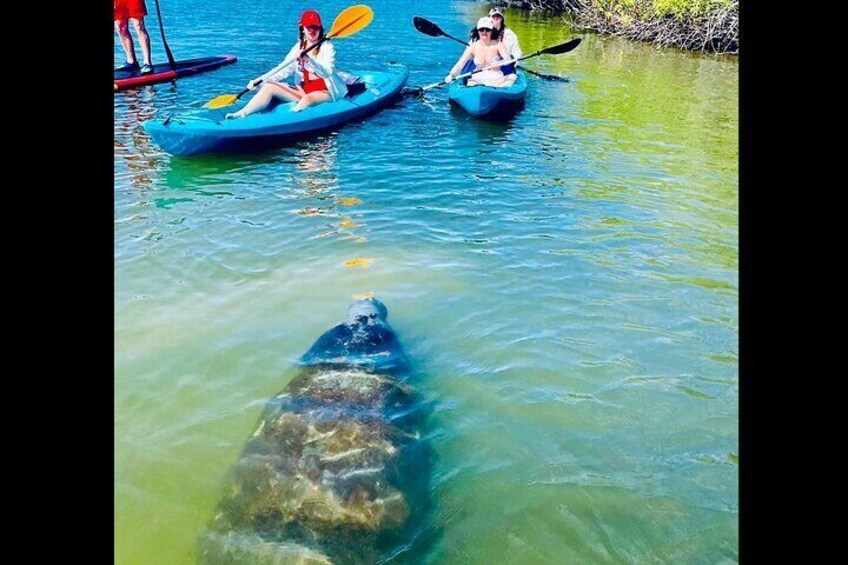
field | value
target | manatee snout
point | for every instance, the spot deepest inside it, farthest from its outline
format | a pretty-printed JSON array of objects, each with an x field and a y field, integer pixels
[{"x": 366, "y": 310}]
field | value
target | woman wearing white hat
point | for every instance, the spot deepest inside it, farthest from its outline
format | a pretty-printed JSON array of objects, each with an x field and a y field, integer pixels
[
  {"x": 487, "y": 53},
  {"x": 506, "y": 36}
]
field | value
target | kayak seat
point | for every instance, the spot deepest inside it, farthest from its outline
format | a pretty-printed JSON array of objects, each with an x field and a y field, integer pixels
[
  {"x": 354, "y": 83},
  {"x": 355, "y": 88}
]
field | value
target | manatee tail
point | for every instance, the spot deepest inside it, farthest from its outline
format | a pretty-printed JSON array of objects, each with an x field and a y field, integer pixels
[{"x": 250, "y": 549}]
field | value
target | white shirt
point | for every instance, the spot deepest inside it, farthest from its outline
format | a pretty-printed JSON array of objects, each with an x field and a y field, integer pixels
[
  {"x": 511, "y": 41},
  {"x": 322, "y": 65}
]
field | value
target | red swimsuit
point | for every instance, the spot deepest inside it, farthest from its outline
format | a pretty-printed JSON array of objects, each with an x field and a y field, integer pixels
[{"x": 312, "y": 85}]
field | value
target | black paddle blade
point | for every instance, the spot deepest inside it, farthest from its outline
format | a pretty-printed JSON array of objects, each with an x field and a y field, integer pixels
[
  {"x": 543, "y": 76},
  {"x": 412, "y": 91},
  {"x": 427, "y": 27},
  {"x": 561, "y": 48}
]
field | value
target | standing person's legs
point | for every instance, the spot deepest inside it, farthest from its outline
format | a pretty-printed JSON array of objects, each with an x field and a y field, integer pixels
[
  {"x": 136, "y": 10},
  {"x": 122, "y": 28},
  {"x": 143, "y": 39}
]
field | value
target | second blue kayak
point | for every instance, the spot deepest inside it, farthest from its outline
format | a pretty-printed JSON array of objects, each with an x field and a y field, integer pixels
[
  {"x": 209, "y": 132},
  {"x": 489, "y": 101}
]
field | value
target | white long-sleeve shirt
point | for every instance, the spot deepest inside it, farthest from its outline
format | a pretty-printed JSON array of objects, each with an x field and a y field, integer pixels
[
  {"x": 322, "y": 65},
  {"x": 511, "y": 41}
]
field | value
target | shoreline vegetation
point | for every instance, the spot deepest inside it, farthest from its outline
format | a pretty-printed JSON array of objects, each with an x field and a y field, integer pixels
[{"x": 696, "y": 25}]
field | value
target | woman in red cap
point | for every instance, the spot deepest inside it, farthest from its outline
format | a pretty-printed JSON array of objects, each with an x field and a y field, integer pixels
[{"x": 315, "y": 77}]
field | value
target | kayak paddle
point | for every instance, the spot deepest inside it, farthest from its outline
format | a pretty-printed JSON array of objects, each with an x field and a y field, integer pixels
[
  {"x": 555, "y": 50},
  {"x": 427, "y": 27},
  {"x": 348, "y": 22}
]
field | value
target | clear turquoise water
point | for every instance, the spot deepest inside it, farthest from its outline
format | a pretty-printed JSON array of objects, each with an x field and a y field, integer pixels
[{"x": 565, "y": 283}]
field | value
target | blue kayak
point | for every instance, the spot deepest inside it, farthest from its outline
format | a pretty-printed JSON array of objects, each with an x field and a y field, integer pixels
[
  {"x": 209, "y": 132},
  {"x": 489, "y": 101}
]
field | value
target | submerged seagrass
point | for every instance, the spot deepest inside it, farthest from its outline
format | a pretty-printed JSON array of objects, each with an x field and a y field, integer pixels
[{"x": 335, "y": 471}]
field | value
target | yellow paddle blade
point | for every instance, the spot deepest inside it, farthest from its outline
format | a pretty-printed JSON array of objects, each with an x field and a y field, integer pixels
[
  {"x": 351, "y": 20},
  {"x": 221, "y": 101}
]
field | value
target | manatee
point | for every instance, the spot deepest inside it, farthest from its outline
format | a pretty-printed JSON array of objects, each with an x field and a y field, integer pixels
[{"x": 336, "y": 471}]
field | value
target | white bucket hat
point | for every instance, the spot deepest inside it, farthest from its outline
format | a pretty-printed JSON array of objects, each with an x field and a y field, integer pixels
[
  {"x": 494, "y": 11},
  {"x": 485, "y": 21}
]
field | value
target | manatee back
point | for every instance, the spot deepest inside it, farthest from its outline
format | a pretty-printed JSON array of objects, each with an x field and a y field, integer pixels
[{"x": 367, "y": 344}]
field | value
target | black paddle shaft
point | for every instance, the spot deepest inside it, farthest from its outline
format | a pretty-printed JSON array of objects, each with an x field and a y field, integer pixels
[
  {"x": 555, "y": 50},
  {"x": 164, "y": 41}
]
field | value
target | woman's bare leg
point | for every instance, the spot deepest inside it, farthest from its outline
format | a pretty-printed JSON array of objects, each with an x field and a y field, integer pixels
[
  {"x": 295, "y": 91},
  {"x": 490, "y": 78},
  {"x": 312, "y": 99},
  {"x": 262, "y": 98},
  {"x": 509, "y": 80}
]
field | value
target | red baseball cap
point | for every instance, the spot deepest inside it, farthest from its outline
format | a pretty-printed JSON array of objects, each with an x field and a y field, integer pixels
[{"x": 310, "y": 18}]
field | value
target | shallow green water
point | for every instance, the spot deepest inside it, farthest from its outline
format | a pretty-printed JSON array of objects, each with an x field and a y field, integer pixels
[{"x": 566, "y": 285}]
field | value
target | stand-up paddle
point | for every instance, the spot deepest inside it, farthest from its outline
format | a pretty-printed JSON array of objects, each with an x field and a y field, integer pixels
[{"x": 165, "y": 41}]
